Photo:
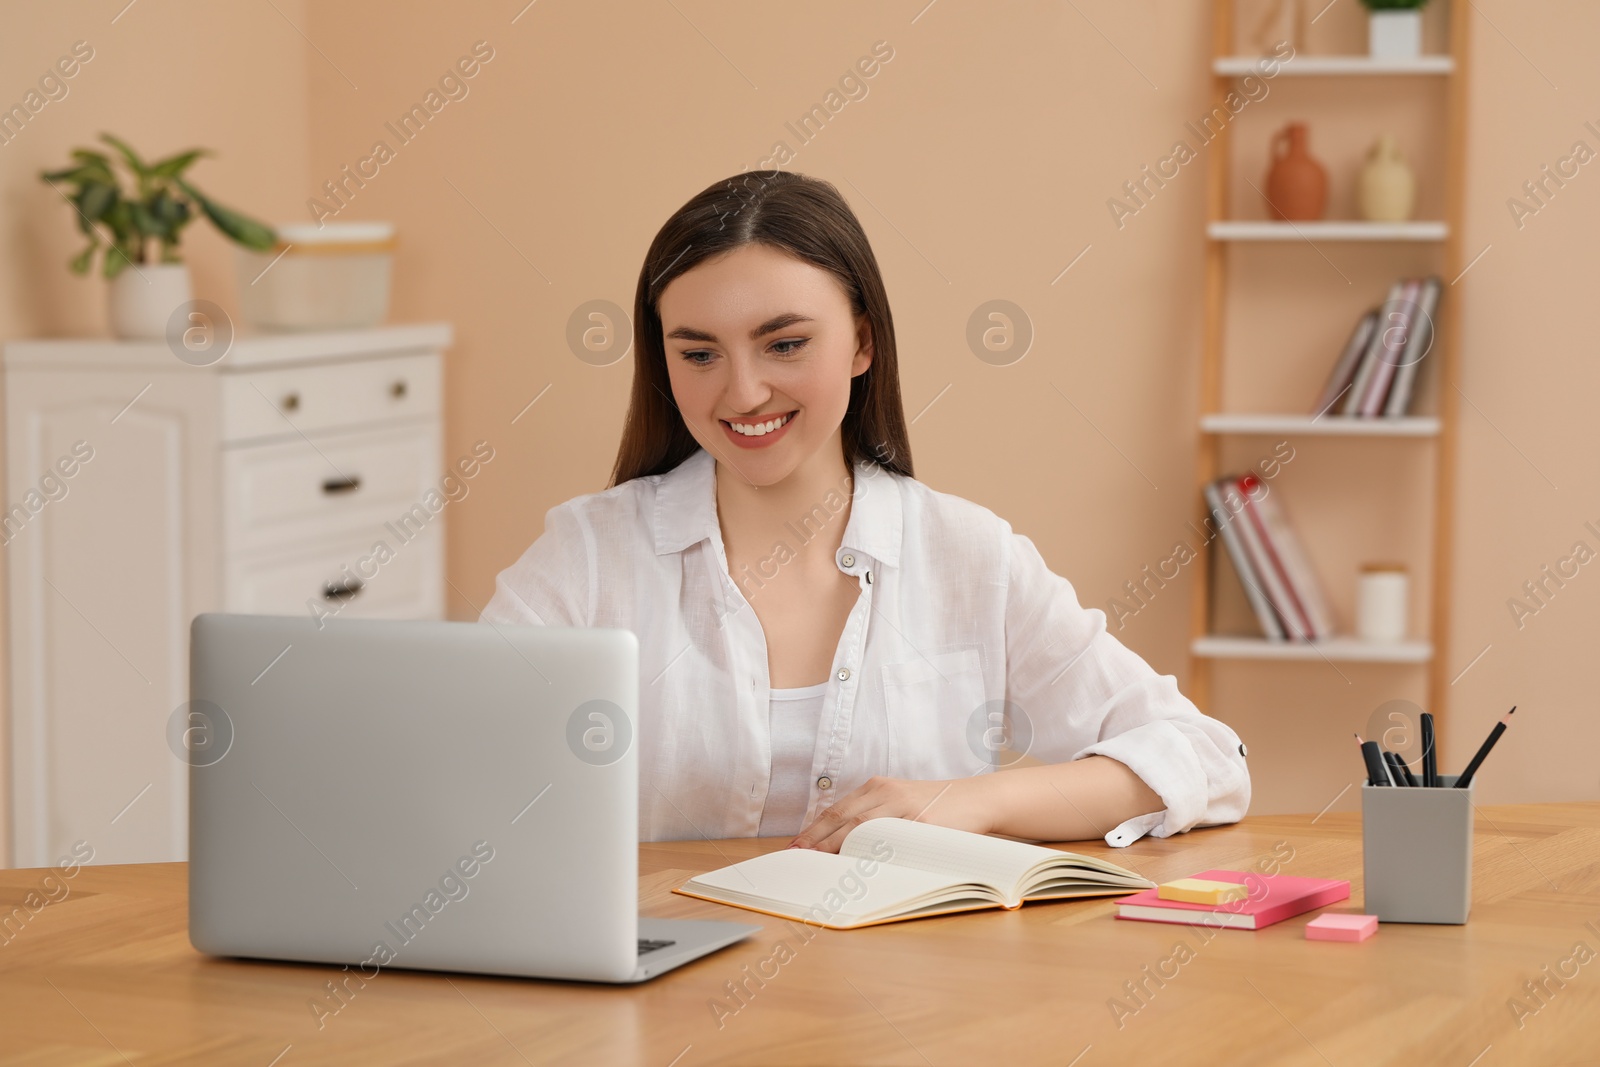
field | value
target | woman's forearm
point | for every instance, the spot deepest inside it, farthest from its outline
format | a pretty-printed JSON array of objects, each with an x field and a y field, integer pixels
[{"x": 1072, "y": 801}]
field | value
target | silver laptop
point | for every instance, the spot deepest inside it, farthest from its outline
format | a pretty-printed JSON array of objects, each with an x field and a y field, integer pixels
[{"x": 436, "y": 795}]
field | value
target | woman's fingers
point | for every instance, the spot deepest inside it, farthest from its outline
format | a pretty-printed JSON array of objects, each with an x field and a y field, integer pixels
[
  {"x": 958, "y": 803},
  {"x": 829, "y": 829}
]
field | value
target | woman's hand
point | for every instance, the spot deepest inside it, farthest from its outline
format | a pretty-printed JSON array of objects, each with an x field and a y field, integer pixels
[
  {"x": 1075, "y": 801},
  {"x": 959, "y": 803}
]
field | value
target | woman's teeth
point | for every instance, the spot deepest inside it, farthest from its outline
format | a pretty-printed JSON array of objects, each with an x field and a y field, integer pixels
[{"x": 761, "y": 429}]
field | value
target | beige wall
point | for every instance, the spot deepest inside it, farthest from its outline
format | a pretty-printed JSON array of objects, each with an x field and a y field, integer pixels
[{"x": 980, "y": 163}]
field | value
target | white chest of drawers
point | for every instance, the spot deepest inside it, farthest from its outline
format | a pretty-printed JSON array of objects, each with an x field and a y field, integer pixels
[{"x": 142, "y": 491}]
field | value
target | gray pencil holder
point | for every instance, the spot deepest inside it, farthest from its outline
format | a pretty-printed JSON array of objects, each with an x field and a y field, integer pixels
[{"x": 1416, "y": 852}]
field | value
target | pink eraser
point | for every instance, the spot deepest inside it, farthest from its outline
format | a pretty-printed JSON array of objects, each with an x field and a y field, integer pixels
[{"x": 1341, "y": 926}]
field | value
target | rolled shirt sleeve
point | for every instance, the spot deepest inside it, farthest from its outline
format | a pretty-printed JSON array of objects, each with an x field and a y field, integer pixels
[
  {"x": 552, "y": 582},
  {"x": 1084, "y": 693}
]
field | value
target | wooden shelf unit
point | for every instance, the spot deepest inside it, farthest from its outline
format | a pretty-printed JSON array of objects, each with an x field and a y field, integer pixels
[{"x": 1437, "y": 431}]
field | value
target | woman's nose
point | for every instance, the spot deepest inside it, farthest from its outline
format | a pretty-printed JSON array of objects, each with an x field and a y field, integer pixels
[{"x": 747, "y": 386}]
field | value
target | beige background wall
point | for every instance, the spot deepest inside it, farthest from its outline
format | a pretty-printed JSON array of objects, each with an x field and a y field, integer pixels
[{"x": 980, "y": 162}]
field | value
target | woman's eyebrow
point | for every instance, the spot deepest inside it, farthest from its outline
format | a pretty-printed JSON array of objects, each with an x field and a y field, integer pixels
[{"x": 777, "y": 322}]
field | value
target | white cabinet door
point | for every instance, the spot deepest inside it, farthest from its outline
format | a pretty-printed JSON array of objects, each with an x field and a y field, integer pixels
[{"x": 103, "y": 582}]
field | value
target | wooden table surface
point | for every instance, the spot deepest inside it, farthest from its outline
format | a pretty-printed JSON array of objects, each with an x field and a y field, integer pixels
[{"x": 106, "y": 975}]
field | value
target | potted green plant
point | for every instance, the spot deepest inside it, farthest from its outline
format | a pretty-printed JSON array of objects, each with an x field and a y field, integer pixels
[
  {"x": 1394, "y": 28},
  {"x": 139, "y": 228}
]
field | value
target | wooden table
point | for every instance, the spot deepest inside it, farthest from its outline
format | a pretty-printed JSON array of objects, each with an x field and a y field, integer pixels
[{"x": 106, "y": 976}]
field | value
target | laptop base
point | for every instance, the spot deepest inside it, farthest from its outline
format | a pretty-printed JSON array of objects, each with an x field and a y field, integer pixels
[{"x": 691, "y": 939}]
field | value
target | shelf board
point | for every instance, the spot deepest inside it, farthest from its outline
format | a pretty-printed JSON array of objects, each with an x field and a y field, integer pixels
[
  {"x": 1316, "y": 66},
  {"x": 1327, "y": 230},
  {"x": 1329, "y": 425},
  {"x": 1348, "y": 649},
  {"x": 249, "y": 351}
]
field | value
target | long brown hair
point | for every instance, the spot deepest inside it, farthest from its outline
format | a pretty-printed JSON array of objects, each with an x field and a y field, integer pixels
[{"x": 807, "y": 218}]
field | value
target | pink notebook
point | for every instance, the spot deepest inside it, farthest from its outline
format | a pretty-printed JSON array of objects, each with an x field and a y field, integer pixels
[{"x": 1285, "y": 897}]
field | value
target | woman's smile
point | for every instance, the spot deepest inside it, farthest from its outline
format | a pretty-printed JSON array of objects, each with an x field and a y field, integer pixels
[{"x": 758, "y": 432}]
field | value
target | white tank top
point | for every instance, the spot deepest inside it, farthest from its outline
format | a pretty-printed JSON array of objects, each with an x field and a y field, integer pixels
[{"x": 795, "y": 716}]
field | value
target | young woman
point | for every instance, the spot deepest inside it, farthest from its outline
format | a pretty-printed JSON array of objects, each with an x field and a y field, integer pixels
[{"x": 823, "y": 639}]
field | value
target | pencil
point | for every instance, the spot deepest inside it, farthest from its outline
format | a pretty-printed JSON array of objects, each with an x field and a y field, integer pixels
[{"x": 1483, "y": 750}]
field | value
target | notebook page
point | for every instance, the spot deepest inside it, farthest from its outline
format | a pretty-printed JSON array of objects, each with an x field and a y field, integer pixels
[
  {"x": 960, "y": 855},
  {"x": 797, "y": 880}
]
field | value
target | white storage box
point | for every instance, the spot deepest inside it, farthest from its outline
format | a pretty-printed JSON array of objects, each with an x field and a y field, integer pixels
[{"x": 335, "y": 277}]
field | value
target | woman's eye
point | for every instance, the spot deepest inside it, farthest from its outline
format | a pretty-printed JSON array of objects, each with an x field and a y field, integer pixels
[
  {"x": 798, "y": 344},
  {"x": 690, "y": 357}
]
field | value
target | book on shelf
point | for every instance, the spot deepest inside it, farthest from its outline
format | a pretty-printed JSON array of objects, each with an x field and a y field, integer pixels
[
  {"x": 888, "y": 870},
  {"x": 1375, "y": 374},
  {"x": 1398, "y": 321},
  {"x": 1373, "y": 356},
  {"x": 1285, "y": 552},
  {"x": 1278, "y": 579},
  {"x": 1343, "y": 374},
  {"x": 1233, "y": 541},
  {"x": 1419, "y": 342}
]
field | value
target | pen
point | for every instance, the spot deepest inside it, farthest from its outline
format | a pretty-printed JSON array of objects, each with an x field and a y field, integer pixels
[
  {"x": 1398, "y": 770},
  {"x": 1377, "y": 772},
  {"x": 1483, "y": 750},
  {"x": 1430, "y": 758},
  {"x": 1405, "y": 769},
  {"x": 1404, "y": 775},
  {"x": 1391, "y": 761}
]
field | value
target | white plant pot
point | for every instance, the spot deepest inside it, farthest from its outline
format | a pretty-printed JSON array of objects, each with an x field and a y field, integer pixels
[
  {"x": 142, "y": 298},
  {"x": 1394, "y": 34}
]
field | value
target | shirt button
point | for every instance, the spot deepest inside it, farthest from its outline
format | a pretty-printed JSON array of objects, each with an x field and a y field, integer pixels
[
  {"x": 1242, "y": 751},
  {"x": 869, "y": 577},
  {"x": 824, "y": 782},
  {"x": 844, "y": 674},
  {"x": 847, "y": 560}
]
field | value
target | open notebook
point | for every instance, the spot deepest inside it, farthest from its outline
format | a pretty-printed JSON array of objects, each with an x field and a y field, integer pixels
[{"x": 893, "y": 869}]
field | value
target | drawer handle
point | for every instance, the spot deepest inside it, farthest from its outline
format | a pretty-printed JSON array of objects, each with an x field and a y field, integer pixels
[
  {"x": 398, "y": 389},
  {"x": 290, "y": 402},
  {"x": 342, "y": 590},
  {"x": 334, "y": 486}
]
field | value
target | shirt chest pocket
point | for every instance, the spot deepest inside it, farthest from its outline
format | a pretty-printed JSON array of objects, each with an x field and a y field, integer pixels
[{"x": 932, "y": 705}]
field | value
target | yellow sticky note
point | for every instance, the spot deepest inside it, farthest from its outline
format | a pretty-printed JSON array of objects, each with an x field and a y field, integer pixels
[{"x": 1202, "y": 891}]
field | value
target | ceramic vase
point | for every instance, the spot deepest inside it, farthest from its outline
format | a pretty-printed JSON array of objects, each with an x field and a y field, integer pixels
[
  {"x": 1297, "y": 185},
  {"x": 1385, "y": 189}
]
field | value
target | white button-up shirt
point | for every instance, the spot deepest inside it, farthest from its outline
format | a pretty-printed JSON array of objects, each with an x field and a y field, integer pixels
[{"x": 962, "y": 649}]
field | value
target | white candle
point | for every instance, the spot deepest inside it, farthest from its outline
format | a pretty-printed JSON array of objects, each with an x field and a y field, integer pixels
[{"x": 1381, "y": 602}]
